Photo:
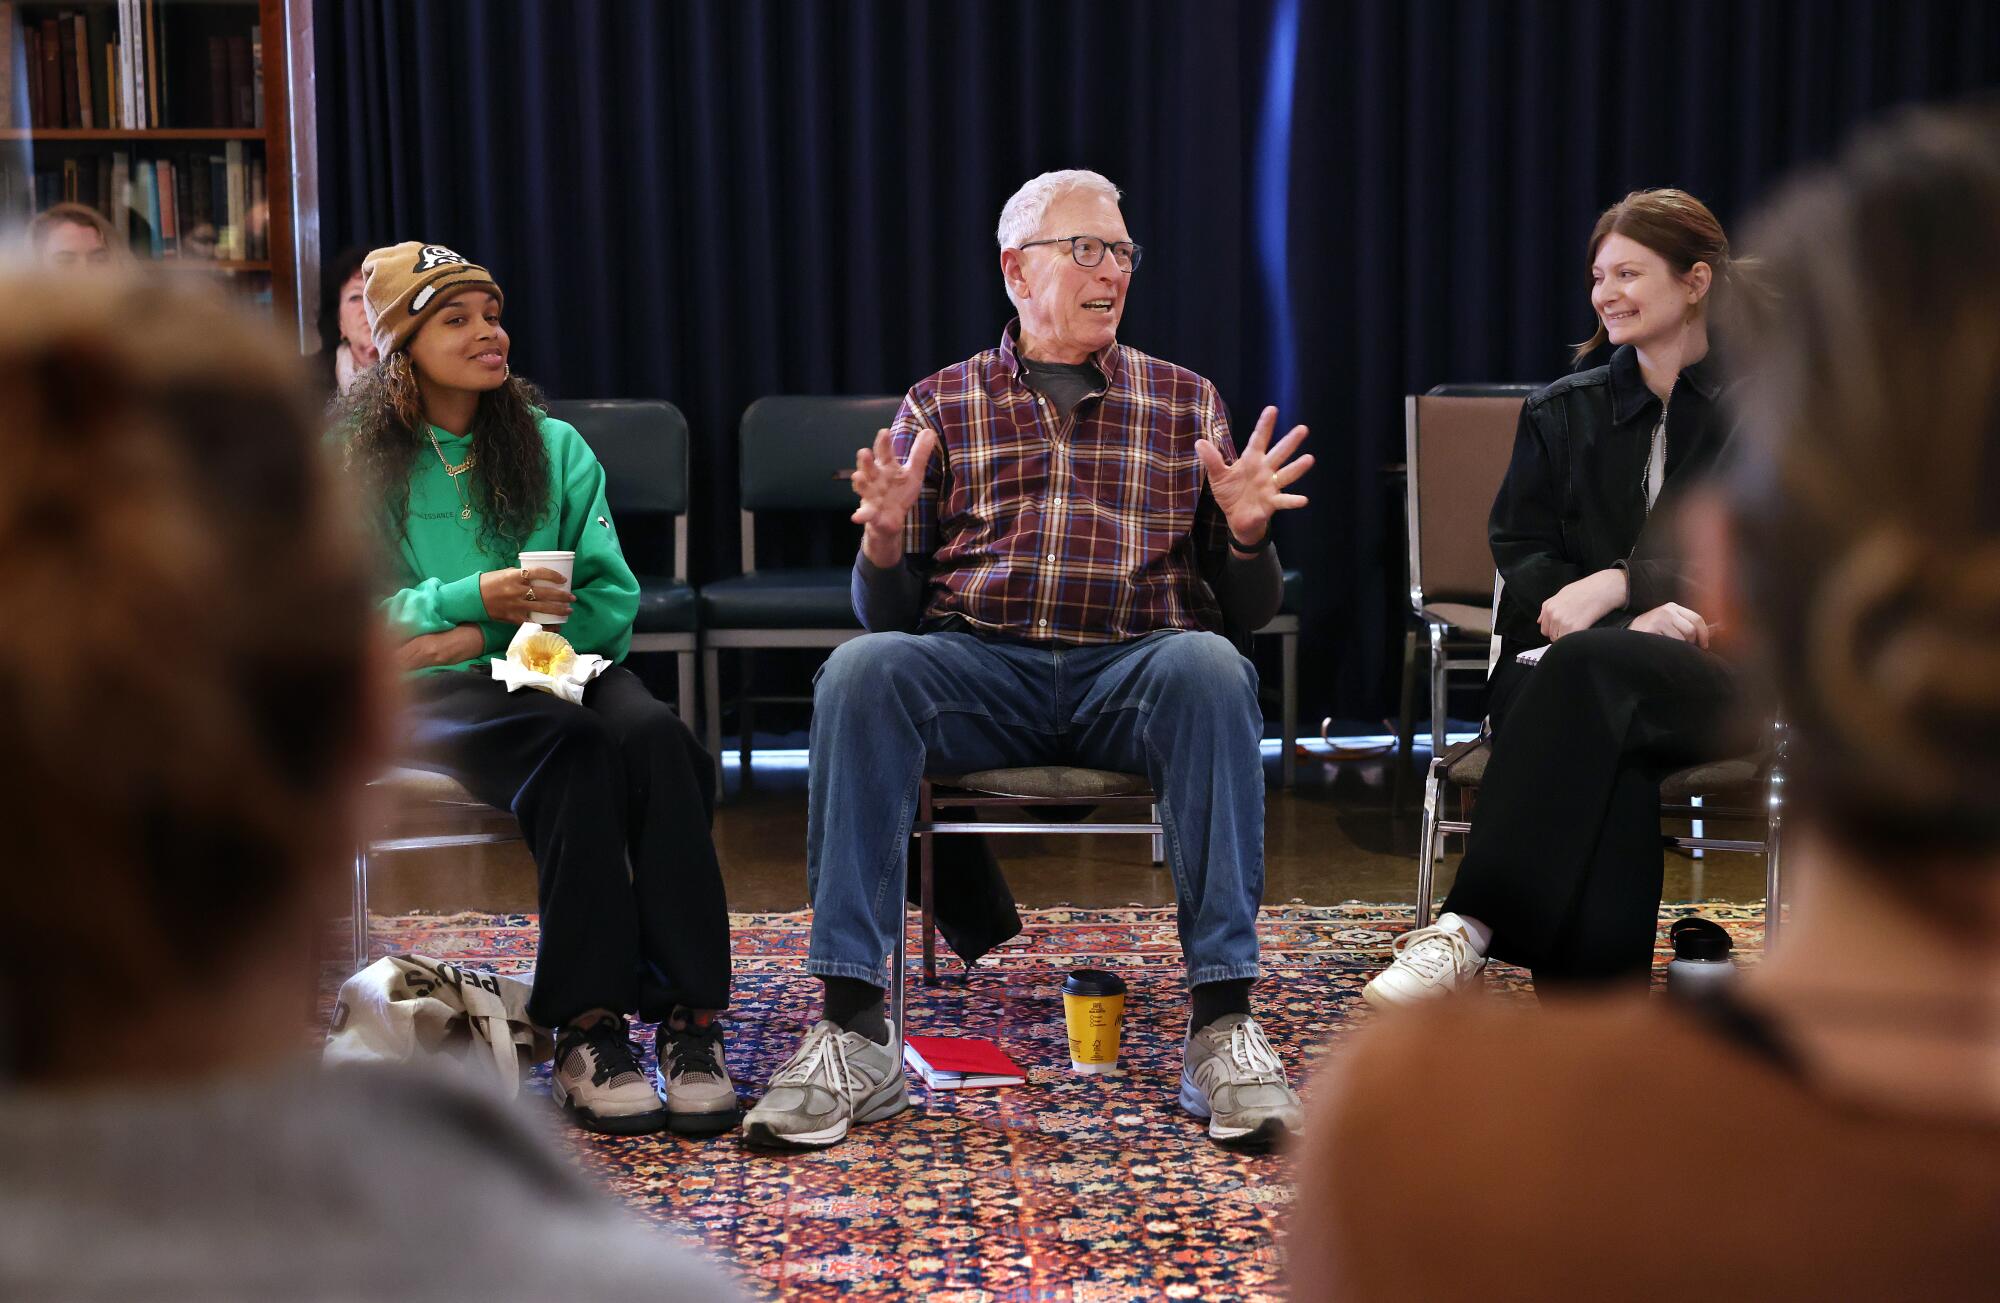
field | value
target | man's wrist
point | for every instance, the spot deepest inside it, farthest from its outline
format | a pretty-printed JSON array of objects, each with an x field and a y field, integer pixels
[
  {"x": 882, "y": 547},
  {"x": 1243, "y": 548}
]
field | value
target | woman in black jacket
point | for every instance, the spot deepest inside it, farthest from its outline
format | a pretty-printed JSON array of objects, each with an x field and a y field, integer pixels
[{"x": 1563, "y": 871}]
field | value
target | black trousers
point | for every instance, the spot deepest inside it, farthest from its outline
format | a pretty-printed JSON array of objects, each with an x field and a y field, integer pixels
[
  {"x": 615, "y": 798},
  {"x": 1564, "y": 861}
]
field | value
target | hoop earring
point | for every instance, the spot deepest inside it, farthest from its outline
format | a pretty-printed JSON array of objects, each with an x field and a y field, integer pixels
[{"x": 507, "y": 371}]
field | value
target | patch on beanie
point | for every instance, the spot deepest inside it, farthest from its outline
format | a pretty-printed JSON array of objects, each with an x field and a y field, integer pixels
[{"x": 433, "y": 256}]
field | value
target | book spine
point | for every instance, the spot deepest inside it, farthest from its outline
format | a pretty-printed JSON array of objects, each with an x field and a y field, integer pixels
[
  {"x": 238, "y": 200},
  {"x": 153, "y": 118},
  {"x": 257, "y": 78},
  {"x": 111, "y": 85},
  {"x": 72, "y": 105},
  {"x": 69, "y": 180},
  {"x": 239, "y": 82},
  {"x": 149, "y": 195},
  {"x": 170, "y": 218},
  {"x": 104, "y": 185},
  {"x": 85, "y": 103},
  {"x": 7, "y": 65},
  {"x": 121, "y": 194},
  {"x": 52, "y": 78},
  {"x": 218, "y": 81},
  {"x": 97, "y": 36},
  {"x": 260, "y": 242}
]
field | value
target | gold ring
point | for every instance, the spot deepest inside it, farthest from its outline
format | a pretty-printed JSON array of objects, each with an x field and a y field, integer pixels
[{"x": 531, "y": 595}]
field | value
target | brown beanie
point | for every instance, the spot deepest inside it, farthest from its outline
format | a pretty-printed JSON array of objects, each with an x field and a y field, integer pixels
[{"x": 404, "y": 284}]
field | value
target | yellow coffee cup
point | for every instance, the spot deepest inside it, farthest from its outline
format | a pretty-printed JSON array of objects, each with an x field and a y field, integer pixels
[{"x": 1094, "y": 1009}]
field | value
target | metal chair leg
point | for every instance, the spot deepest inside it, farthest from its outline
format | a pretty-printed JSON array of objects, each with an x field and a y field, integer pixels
[
  {"x": 1774, "y": 883},
  {"x": 1440, "y": 693},
  {"x": 1406, "y": 727},
  {"x": 900, "y": 961},
  {"x": 1288, "y": 724},
  {"x": 927, "y": 884},
  {"x": 711, "y": 705},
  {"x": 746, "y": 717},
  {"x": 684, "y": 668},
  {"x": 1427, "y": 842},
  {"x": 1159, "y": 839},
  {"x": 360, "y": 905}
]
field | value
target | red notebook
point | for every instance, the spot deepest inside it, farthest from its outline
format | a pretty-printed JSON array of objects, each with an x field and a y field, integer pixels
[{"x": 961, "y": 1062}]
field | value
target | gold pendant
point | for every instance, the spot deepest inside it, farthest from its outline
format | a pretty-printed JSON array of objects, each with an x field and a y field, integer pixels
[{"x": 466, "y": 514}]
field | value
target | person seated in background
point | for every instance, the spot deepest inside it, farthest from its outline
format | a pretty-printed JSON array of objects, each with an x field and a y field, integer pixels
[
  {"x": 1055, "y": 533},
  {"x": 1563, "y": 870},
  {"x": 1828, "y": 1127},
  {"x": 346, "y": 344},
  {"x": 461, "y": 470},
  {"x": 187, "y": 748},
  {"x": 69, "y": 236}
]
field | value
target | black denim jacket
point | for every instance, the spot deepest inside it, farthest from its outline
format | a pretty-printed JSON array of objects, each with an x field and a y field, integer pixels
[{"x": 1574, "y": 500}]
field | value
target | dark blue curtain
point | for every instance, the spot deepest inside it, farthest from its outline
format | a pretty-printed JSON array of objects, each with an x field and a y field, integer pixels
[{"x": 712, "y": 200}]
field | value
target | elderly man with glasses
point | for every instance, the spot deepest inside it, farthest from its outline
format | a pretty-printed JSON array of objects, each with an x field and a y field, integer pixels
[{"x": 1055, "y": 533}]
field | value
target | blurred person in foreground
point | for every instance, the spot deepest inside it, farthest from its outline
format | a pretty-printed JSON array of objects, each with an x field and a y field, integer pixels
[
  {"x": 187, "y": 751},
  {"x": 1830, "y": 1127}
]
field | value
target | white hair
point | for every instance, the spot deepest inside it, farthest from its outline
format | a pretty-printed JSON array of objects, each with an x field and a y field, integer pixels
[{"x": 1023, "y": 214}]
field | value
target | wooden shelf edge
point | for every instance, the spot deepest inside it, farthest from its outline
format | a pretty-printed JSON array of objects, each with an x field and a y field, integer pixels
[{"x": 34, "y": 134}]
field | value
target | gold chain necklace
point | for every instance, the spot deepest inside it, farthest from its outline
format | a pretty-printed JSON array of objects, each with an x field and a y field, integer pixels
[{"x": 464, "y": 507}]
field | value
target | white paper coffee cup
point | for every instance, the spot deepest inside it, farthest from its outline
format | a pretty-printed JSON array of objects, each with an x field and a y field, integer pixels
[{"x": 562, "y": 562}]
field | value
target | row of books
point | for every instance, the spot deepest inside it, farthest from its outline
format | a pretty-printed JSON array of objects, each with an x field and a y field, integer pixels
[
  {"x": 187, "y": 205},
  {"x": 111, "y": 67}
]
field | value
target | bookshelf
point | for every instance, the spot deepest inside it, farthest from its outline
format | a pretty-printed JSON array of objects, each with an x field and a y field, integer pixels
[{"x": 187, "y": 124}]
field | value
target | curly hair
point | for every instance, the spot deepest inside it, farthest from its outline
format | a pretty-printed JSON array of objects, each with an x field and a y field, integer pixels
[{"x": 381, "y": 424}]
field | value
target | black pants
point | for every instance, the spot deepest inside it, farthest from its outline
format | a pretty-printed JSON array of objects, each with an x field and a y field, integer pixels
[
  {"x": 615, "y": 798},
  {"x": 1564, "y": 862}
]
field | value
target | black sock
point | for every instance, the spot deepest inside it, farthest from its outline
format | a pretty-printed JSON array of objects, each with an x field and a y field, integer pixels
[
  {"x": 1213, "y": 1000},
  {"x": 856, "y": 1006}
]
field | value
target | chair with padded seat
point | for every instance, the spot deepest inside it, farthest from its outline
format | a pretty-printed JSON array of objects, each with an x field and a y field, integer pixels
[
  {"x": 796, "y": 454},
  {"x": 1457, "y": 443},
  {"x": 1750, "y": 788},
  {"x": 1066, "y": 788},
  {"x": 643, "y": 446}
]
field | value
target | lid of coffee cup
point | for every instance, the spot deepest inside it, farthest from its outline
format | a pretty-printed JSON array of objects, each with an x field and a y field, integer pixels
[
  {"x": 1093, "y": 981},
  {"x": 1699, "y": 939}
]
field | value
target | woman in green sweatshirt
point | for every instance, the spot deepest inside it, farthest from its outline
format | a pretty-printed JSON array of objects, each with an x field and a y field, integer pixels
[{"x": 463, "y": 471}]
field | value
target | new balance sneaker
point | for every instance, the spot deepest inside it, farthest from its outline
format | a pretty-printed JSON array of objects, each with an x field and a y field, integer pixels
[
  {"x": 597, "y": 1080},
  {"x": 1430, "y": 963},
  {"x": 692, "y": 1078},
  {"x": 836, "y": 1079},
  {"x": 1231, "y": 1076}
]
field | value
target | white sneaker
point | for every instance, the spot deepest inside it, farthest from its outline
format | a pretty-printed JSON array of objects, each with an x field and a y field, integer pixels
[
  {"x": 836, "y": 1079},
  {"x": 597, "y": 1081},
  {"x": 1231, "y": 1076},
  {"x": 1430, "y": 963}
]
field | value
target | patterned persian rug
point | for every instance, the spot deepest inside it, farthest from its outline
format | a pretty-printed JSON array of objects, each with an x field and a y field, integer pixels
[{"x": 1068, "y": 1189}]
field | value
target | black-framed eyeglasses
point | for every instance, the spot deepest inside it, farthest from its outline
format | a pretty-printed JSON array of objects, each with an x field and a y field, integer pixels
[{"x": 1089, "y": 250}]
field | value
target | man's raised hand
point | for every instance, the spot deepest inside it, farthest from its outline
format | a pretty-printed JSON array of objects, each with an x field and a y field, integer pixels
[{"x": 1251, "y": 489}]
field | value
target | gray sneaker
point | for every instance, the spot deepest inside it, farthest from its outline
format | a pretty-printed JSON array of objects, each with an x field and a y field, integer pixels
[
  {"x": 835, "y": 1080},
  {"x": 693, "y": 1079},
  {"x": 1231, "y": 1076},
  {"x": 597, "y": 1081}
]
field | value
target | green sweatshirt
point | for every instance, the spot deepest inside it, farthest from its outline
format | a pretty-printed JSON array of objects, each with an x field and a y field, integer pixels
[{"x": 438, "y": 561}]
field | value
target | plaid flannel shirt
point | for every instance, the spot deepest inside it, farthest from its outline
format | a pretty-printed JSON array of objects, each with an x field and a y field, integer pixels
[{"x": 1097, "y": 528}]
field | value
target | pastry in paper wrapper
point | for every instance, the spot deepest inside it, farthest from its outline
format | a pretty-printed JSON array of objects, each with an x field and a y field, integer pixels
[{"x": 541, "y": 658}]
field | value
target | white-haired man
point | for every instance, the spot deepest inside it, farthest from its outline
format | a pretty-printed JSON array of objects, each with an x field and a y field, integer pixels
[{"x": 1055, "y": 532}]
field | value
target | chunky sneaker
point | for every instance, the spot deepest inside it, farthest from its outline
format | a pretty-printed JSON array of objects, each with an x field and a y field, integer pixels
[
  {"x": 1430, "y": 963},
  {"x": 837, "y": 1079},
  {"x": 597, "y": 1081},
  {"x": 701, "y": 1099},
  {"x": 1231, "y": 1076}
]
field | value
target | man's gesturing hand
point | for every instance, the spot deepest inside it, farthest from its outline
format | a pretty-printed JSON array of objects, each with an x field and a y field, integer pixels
[
  {"x": 1250, "y": 490},
  {"x": 888, "y": 489}
]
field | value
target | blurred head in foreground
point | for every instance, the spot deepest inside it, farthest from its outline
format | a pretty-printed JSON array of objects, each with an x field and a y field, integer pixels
[
  {"x": 1865, "y": 513},
  {"x": 70, "y": 236},
  {"x": 190, "y": 697}
]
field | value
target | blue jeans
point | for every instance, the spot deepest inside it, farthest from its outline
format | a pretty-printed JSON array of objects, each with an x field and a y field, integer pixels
[{"x": 1178, "y": 707}]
